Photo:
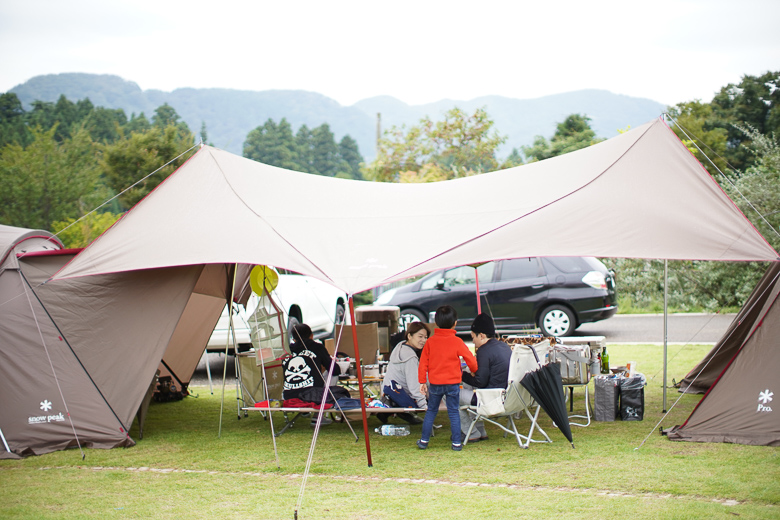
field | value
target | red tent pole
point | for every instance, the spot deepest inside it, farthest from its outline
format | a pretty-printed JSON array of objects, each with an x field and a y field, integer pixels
[
  {"x": 479, "y": 300},
  {"x": 359, "y": 371}
]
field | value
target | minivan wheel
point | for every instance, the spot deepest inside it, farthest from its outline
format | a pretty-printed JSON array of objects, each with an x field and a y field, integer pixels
[
  {"x": 557, "y": 320},
  {"x": 408, "y": 316}
]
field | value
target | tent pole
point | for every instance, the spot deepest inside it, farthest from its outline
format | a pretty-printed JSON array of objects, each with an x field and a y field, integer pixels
[
  {"x": 262, "y": 361},
  {"x": 208, "y": 371},
  {"x": 479, "y": 298},
  {"x": 227, "y": 343},
  {"x": 4, "y": 442},
  {"x": 666, "y": 322},
  {"x": 359, "y": 371}
]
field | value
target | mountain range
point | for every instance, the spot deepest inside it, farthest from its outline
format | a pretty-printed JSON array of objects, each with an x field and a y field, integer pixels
[{"x": 230, "y": 114}]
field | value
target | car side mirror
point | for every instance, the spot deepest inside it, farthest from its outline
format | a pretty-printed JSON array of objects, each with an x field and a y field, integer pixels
[{"x": 440, "y": 285}]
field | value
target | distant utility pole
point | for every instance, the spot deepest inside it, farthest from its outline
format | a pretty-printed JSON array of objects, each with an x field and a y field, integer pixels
[{"x": 378, "y": 131}]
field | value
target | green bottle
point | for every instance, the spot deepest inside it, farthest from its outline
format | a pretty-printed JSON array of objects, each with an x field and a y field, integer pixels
[{"x": 605, "y": 362}]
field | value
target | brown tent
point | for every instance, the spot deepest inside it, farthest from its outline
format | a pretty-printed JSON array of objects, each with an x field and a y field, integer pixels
[
  {"x": 79, "y": 355},
  {"x": 739, "y": 376}
]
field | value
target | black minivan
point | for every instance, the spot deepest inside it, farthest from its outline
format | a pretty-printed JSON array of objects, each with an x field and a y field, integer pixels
[{"x": 557, "y": 294}]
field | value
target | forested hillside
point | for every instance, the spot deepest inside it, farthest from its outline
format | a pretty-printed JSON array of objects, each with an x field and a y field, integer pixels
[{"x": 230, "y": 115}]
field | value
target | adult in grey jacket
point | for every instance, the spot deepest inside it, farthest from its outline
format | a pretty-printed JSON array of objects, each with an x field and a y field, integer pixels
[
  {"x": 493, "y": 361},
  {"x": 402, "y": 368}
]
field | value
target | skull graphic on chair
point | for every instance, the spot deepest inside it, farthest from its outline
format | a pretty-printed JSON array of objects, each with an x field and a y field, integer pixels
[{"x": 297, "y": 370}]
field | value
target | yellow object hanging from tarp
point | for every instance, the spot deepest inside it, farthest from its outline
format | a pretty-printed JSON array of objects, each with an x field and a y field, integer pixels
[{"x": 263, "y": 279}]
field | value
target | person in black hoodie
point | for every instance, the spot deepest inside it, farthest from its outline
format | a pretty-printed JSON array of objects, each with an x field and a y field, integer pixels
[
  {"x": 493, "y": 372},
  {"x": 302, "y": 372}
]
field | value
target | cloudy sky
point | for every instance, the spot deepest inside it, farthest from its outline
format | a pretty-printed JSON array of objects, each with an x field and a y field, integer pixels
[{"x": 417, "y": 51}]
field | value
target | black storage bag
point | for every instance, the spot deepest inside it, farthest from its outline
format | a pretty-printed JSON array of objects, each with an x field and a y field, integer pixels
[
  {"x": 632, "y": 398},
  {"x": 607, "y": 399}
]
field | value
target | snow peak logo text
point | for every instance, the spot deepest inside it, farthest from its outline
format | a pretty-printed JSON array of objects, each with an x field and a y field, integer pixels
[
  {"x": 764, "y": 398},
  {"x": 38, "y": 419},
  {"x": 45, "y": 418}
]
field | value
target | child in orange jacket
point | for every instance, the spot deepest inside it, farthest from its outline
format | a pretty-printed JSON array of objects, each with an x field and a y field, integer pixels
[{"x": 439, "y": 373}]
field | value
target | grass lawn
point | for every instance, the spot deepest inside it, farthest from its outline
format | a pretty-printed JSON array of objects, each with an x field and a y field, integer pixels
[{"x": 182, "y": 469}]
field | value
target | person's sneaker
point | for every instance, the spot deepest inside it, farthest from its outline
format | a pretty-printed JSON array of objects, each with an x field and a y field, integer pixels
[
  {"x": 475, "y": 437},
  {"x": 457, "y": 446},
  {"x": 423, "y": 445},
  {"x": 325, "y": 421}
]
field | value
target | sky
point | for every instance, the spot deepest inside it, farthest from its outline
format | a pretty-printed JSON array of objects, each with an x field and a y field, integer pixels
[{"x": 417, "y": 51}]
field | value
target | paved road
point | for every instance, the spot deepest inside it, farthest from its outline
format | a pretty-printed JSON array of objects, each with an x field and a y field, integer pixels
[{"x": 649, "y": 328}]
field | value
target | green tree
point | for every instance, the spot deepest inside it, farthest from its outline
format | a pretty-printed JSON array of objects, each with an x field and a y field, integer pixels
[
  {"x": 134, "y": 157},
  {"x": 49, "y": 180},
  {"x": 752, "y": 102},
  {"x": 304, "y": 143},
  {"x": 458, "y": 146},
  {"x": 696, "y": 127},
  {"x": 80, "y": 233},
  {"x": 514, "y": 158},
  {"x": 572, "y": 134},
  {"x": 273, "y": 144},
  {"x": 165, "y": 116},
  {"x": 13, "y": 128},
  {"x": 104, "y": 124},
  {"x": 348, "y": 150},
  {"x": 137, "y": 123},
  {"x": 325, "y": 158}
]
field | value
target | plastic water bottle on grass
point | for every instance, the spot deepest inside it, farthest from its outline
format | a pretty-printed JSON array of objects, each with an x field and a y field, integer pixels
[{"x": 393, "y": 429}]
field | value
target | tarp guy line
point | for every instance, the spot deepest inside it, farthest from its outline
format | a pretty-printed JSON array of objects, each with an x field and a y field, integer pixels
[
  {"x": 123, "y": 191},
  {"x": 682, "y": 129},
  {"x": 122, "y": 426},
  {"x": 25, "y": 284}
]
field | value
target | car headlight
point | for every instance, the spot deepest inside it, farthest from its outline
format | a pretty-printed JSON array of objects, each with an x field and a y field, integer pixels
[
  {"x": 385, "y": 297},
  {"x": 595, "y": 279}
]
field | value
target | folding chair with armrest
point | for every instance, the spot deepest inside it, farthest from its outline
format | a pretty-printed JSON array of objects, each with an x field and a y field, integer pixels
[{"x": 494, "y": 404}]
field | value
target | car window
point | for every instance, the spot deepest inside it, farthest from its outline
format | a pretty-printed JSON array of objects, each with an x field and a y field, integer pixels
[
  {"x": 462, "y": 275},
  {"x": 519, "y": 268},
  {"x": 569, "y": 264},
  {"x": 429, "y": 283},
  {"x": 465, "y": 274}
]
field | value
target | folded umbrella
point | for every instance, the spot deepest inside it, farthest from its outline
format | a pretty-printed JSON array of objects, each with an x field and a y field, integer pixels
[{"x": 545, "y": 386}]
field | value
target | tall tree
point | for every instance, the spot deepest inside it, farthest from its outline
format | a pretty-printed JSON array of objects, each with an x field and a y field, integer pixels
[
  {"x": 572, "y": 134},
  {"x": 697, "y": 128},
  {"x": 304, "y": 143},
  {"x": 348, "y": 150},
  {"x": 131, "y": 159},
  {"x": 273, "y": 144},
  {"x": 311, "y": 151},
  {"x": 13, "y": 128},
  {"x": 104, "y": 124},
  {"x": 49, "y": 180},
  {"x": 755, "y": 101},
  {"x": 137, "y": 123},
  {"x": 457, "y": 146},
  {"x": 325, "y": 152}
]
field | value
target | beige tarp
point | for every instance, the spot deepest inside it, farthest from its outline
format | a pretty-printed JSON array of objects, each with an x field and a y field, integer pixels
[{"x": 641, "y": 194}]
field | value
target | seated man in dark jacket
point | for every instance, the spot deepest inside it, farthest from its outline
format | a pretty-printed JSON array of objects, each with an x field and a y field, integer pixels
[{"x": 493, "y": 372}]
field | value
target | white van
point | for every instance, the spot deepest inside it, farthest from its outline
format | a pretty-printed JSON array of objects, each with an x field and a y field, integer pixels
[{"x": 304, "y": 300}]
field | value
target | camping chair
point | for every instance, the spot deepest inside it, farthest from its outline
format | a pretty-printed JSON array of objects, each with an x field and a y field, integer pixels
[{"x": 494, "y": 404}]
